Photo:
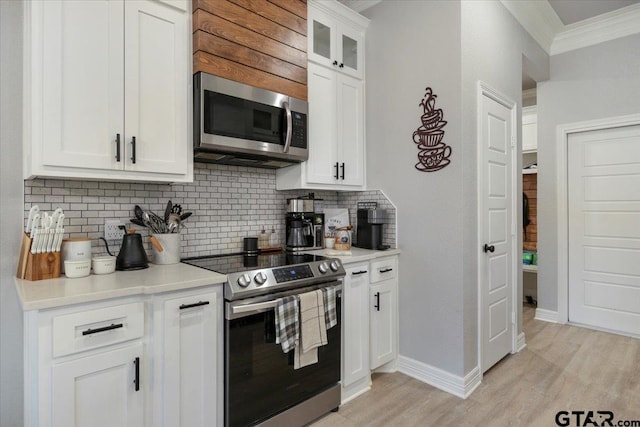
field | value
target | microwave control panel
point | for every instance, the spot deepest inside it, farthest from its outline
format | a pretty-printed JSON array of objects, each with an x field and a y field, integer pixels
[{"x": 299, "y": 130}]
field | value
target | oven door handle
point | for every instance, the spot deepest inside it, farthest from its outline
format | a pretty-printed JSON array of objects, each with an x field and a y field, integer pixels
[
  {"x": 253, "y": 307},
  {"x": 287, "y": 141}
]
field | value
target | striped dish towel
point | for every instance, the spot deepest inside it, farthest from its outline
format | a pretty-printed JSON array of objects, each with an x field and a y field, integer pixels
[
  {"x": 286, "y": 320},
  {"x": 330, "y": 315},
  {"x": 313, "y": 331}
]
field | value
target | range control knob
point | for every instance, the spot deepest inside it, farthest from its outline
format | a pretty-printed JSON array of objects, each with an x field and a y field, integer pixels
[
  {"x": 260, "y": 278},
  {"x": 335, "y": 265},
  {"x": 244, "y": 280},
  {"x": 323, "y": 267}
]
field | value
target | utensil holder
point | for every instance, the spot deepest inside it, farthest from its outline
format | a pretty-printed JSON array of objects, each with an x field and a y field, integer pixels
[{"x": 170, "y": 253}]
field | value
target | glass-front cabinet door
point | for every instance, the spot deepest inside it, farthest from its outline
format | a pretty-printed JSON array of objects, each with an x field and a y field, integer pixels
[
  {"x": 350, "y": 46},
  {"x": 322, "y": 38},
  {"x": 334, "y": 44}
]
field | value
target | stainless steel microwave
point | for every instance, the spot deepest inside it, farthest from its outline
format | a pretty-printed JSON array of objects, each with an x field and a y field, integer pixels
[{"x": 238, "y": 124}]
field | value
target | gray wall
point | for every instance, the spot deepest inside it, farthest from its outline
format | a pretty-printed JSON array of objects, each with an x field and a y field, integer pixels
[
  {"x": 448, "y": 46},
  {"x": 411, "y": 45},
  {"x": 494, "y": 49},
  {"x": 586, "y": 84},
  {"x": 10, "y": 211}
]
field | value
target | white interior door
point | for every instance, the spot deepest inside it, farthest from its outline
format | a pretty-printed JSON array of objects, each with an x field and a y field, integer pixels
[
  {"x": 604, "y": 228},
  {"x": 497, "y": 231}
]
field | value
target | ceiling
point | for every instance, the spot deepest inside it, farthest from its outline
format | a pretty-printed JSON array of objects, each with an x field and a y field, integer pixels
[{"x": 572, "y": 11}]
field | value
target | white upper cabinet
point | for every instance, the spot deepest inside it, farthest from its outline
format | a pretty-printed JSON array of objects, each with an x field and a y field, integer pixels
[
  {"x": 336, "y": 102},
  {"x": 108, "y": 90},
  {"x": 529, "y": 129},
  {"x": 334, "y": 41}
]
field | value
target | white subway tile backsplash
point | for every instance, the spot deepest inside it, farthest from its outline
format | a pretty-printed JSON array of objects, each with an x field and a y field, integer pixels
[{"x": 228, "y": 203}]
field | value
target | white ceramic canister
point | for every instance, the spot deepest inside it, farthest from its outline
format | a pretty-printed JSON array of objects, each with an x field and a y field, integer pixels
[
  {"x": 170, "y": 253},
  {"x": 76, "y": 248}
]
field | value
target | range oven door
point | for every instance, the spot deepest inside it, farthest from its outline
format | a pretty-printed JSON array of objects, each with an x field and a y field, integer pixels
[{"x": 260, "y": 381}]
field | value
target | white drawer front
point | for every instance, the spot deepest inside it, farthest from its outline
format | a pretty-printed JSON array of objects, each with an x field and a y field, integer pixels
[
  {"x": 383, "y": 269},
  {"x": 90, "y": 329}
]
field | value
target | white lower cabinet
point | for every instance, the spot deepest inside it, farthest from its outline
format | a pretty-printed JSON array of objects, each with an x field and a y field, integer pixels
[
  {"x": 370, "y": 323},
  {"x": 189, "y": 359},
  {"x": 101, "y": 390},
  {"x": 355, "y": 324},
  {"x": 153, "y": 360}
]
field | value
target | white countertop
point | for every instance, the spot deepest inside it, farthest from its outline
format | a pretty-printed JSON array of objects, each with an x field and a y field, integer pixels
[
  {"x": 41, "y": 294},
  {"x": 356, "y": 254}
]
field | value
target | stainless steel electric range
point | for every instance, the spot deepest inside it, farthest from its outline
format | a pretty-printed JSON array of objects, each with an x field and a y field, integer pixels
[{"x": 261, "y": 385}]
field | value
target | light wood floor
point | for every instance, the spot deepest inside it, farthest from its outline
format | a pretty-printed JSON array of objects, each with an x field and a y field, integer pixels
[{"x": 563, "y": 368}]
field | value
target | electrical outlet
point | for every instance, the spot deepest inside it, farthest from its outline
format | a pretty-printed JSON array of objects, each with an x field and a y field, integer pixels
[{"x": 112, "y": 230}]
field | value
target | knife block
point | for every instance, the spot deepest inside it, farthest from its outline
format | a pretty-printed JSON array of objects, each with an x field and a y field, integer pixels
[{"x": 43, "y": 266}]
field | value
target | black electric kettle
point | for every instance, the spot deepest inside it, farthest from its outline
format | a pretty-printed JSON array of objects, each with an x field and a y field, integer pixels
[{"x": 131, "y": 255}]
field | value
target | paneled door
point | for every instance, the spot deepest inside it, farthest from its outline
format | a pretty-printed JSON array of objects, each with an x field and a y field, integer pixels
[
  {"x": 604, "y": 228},
  {"x": 497, "y": 232}
]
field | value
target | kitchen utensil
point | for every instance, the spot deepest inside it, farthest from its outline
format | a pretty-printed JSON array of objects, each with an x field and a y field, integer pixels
[
  {"x": 173, "y": 223},
  {"x": 59, "y": 233},
  {"x": 138, "y": 212},
  {"x": 131, "y": 255},
  {"x": 32, "y": 212},
  {"x": 103, "y": 264},
  {"x": 35, "y": 238},
  {"x": 185, "y": 216},
  {"x": 151, "y": 223},
  {"x": 77, "y": 268},
  {"x": 177, "y": 209},
  {"x": 154, "y": 242},
  {"x": 168, "y": 211}
]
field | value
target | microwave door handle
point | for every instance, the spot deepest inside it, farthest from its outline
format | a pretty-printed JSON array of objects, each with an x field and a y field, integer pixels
[{"x": 287, "y": 141}]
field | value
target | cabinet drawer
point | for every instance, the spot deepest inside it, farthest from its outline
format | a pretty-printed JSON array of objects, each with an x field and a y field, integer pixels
[
  {"x": 86, "y": 330},
  {"x": 383, "y": 269}
]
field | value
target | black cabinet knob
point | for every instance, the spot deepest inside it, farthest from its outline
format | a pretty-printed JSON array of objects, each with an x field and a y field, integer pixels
[{"x": 335, "y": 62}]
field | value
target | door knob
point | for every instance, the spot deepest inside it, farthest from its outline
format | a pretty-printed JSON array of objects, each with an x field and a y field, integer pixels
[{"x": 488, "y": 248}]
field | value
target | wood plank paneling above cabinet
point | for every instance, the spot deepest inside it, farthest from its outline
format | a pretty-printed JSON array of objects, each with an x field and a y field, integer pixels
[{"x": 258, "y": 42}]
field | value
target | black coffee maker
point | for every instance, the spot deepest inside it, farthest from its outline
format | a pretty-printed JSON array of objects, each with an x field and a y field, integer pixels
[
  {"x": 370, "y": 222},
  {"x": 304, "y": 228}
]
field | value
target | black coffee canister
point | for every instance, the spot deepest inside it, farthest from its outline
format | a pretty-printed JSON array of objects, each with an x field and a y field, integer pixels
[{"x": 250, "y": 246}]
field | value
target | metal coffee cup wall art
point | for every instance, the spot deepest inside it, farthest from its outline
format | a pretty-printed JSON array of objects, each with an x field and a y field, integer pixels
[{"x": 433, "y": 154}]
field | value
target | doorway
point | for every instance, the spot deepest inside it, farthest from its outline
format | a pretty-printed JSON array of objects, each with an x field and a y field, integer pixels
[{"x": 497, "y": 237}]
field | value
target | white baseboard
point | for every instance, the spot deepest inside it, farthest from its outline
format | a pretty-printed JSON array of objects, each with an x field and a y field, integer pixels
[
  {"x": 520, "y": 343},
  {"x": 458, "y": 386},
  {"x": 546, "y": 315}
]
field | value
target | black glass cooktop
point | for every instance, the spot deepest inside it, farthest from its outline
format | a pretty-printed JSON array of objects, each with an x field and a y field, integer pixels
[{"x": 236, "y": 263}]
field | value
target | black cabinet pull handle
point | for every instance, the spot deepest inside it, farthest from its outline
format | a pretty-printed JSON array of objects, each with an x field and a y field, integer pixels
[
  {"x": 136, "y": 379},
  {"x": 195, "y": 304},
  {"x": 342, "y": 171},
  {"x": 341, "y": 65},
  {"x": 377, "y": 306},
  {"x": 103, "y": 329},
  {"x": 337, "y": 168},
  {"x": 488, "y": 248},
  {"x": 386, "y": 270},
  {"x": 335, "y": 62},
  {"x": 356, "y": 273},
  {"x": 117, "y": 147},
  {"x": 133, "y": 150}
]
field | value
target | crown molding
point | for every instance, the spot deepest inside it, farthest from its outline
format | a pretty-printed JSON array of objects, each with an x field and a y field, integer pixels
[
  {"x": 538, "y": 18},
  {"x": 608, "y": 26},
  {"x": 360, "y": 5}
]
